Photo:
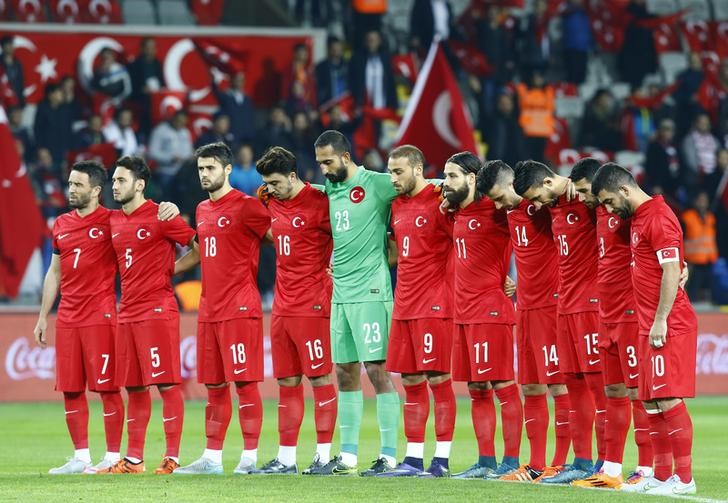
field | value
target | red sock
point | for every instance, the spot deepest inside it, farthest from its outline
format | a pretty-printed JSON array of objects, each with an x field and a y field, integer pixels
[
  {"x": 661, "y": 446},
  {"x": 325, "y": 411},
  {"x": 290, "y": 414},
  {"x": 445, "y": 409},
  {"x": 511, "y": 419},
  {"x": 595, "y": 381},
  {"x": 416, "y": 411},
  {"x": 482, "y": 411},
  {"x": 581, "y": 415},
  {"x": 173, "y": 415},
  {"x": 113, "y": 419},
  {"x": 642, "y": 434},
  {"x": 76, "y": 406},
  {"x": 250, "y": 413},
  {"x": 138, "y": 411},
  {"x": 562, "y": 429},
  {"x": 680, "y": 432},
  {"x": 218, "y": 411},
  {"x": 618, "y": 416},
  {"x": 536, "y": 415}
]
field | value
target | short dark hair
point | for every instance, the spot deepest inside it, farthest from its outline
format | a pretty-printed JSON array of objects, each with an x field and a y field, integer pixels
[
  {"x": 94, "y": 169},
  {"x": 334, "y": 138},
  {"x": 218, "y": 151},
  {"x": 7, "y": 39},
  {"x": 493, "y": 173},
  {"x": 276, "y": 160},
  {"x": 585, "y": 169},
  {"x": 466, "y": 161},
  {"x": 413, "y": 155},
  {"x": 610, "y": 177},
  {"x": 137, "y": 166},
  {"x": 529, "y": 174}
]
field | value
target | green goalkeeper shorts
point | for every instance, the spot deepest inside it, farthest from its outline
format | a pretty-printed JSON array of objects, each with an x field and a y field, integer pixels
[{"x": 360, "y": 331}]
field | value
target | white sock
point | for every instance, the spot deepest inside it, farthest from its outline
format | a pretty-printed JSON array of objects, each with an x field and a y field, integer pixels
[
  {"x": 415, "y": 450},
  {"x": 349, "y": 459},
  {"x": 136, "y": 461},
  {"x": 213, "y": 455},
  {"x": 82, "y": 454},
  {"x": 112, "y": 456},
  {"x": 324, "y": 452},
  {"x": 442, "y": 449},
  {"x": 612, "y": 469},
  {"x": 287, "y": 454},
  {"x": 251, "y": 454},
  {"x": 173, "y": 458},
  {"x": 646, "y": 470},
  {"x": 390, "y": 459}
]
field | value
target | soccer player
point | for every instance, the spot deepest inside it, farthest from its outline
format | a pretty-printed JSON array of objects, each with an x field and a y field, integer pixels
[
  {"x": 148, "y": 331},
  {"x": 230, "y": 227},
  {"x": 483, "y": 316},
  {"x": 420, "y": 344},
  {"x": 574, "y": 229},
  {"x": 537, "y": 284},
  {"x": 361, "y": 305},
  {"x": 667, "y": 327},
  {"x": 300, "y": 340}
]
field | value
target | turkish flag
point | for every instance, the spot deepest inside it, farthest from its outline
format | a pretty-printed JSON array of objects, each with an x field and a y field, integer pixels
[
  {"x": 21, "y": 224},
  {"x": 207, "y": 12},
  {"x": 165, "y": 103},
  {"x": 435, "y": 119},
  {"x": 105, "y": 153}
]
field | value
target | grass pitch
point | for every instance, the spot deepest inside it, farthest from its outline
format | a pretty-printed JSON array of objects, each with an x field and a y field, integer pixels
[{"x": 34, "y": 439}]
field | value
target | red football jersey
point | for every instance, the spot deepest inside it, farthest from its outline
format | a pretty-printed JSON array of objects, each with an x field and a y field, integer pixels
[
  {"x": 537, "y": 263},
  {"x": 424, "y": 263},
  {"x": 657, "y": 238},
  {"x": 229, "y": 231},
  {"x": 482, "y": 258},
  {"x": 145, "y": 253},
  {"x": 616, "y": 297},
  {"x": 302, "y": 236},
  {"x": 574, "y": 228},
  {"x": 88, "y": 269}
]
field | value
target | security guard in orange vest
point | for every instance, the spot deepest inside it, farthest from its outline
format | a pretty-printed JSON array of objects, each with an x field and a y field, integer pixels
[{"x": 701, "y": 249}]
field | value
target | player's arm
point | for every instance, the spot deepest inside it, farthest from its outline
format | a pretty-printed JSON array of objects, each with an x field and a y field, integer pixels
[
  {"x": 392, "y": 251},
  {"x": 189, "y": 260},
  {"x": 268, "y": 237},
  {"x": 51, "y": 284},
  {"x": 668, "y": 291}
]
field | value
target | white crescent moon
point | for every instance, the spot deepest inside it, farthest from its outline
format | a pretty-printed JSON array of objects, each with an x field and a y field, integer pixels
[
  {"x": 34, "y": 3},
  {"x": 610, "y": 221},
  {"x": 172, "y": 63},
  {"x": 531, "y": 210},
  {"x": 67, "y": 3},
  {"x": 470, "y": 222},
  {"x": 419, "y": 219},
  {"x": 139, "y": 233},
  {"x": 93, "y": 232},
  {"x": 88, "y": 54},
  {"x": 21, "y": 42},
  {"x": 95, "y": 4},
  {"x": 568, "y": 219},
  {"x": 297, "y": 219},
  {"x": 169, "y": 101},
  {"x": 222, "y": 221},
  {"x": 441, "y": 119},
  {"x": 202, "y": 124}
]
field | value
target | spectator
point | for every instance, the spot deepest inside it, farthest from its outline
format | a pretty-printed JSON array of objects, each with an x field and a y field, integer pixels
[
  {"x": 297, "y": 102},
  {"x": 92, "y": 134},
  {"x": 685, "y": 96},
  {"x": 637, "y": 56},
  {"x": 600, "y": 124},
  {"x": 146, "y": 78},
  {"x": 13, "y": 69},
  {"x": 662, "y": 164},
  {"x": 536, "y": 101},
  {"x": 220, "y": 131},
  {"x": 699, "y": 149},
  {"x": 303, "y": 136},
  {"x": 170, "y": 145},
  {"x": 701, "y": 250},
  {"x": 496, "y": 43},
  {"x": 111, "y": 78},
  {"x": 68, "y": 89},
  {"x": 430, "y": 18},
  {"x": 720, "y": 203},
  {"x": 239, "y": 107},
  {"x": 300, "y": 77},
  {"x": 46, "y": 181},
  {"x": 277, "y": 131},
  {"x": 53, "y": 119},
  {"x": 332, "y": 73},
  {"x": 503, "y": 133},
  {"x": 121, "y": 133},
  {"x": 366, "y": 16},
  {"x": 20, "y": 132},
  {"x": 244, "y": 176},
  {"x": 577, "y": 41},
  {"x": 533, "y": 43}
]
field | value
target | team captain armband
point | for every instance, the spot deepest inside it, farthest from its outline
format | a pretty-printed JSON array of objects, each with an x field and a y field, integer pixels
[{"x": 666, "y": 255}]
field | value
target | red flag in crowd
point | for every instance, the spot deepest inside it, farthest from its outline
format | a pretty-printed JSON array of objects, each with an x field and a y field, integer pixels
[
  {"x": 165, "y": 103},
  {"x": 21, "y": 224},
  {"x": 226, "y": 58},
  {"x": 470, "y": 58},
  {"x": 435, "y": 119},
  {"x": 207, "y": 12},
  {"x": 105, "y": 153}
]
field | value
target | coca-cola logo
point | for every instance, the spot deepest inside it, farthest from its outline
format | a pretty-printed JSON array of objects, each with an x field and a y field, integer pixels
[
  {"x": 188, "y": 357},
  {"x": 712, "y": 357},
  {"x": 25, "y": 362}
]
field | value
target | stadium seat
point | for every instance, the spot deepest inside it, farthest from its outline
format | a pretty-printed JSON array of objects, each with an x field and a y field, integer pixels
[
  {"x": 630, "y": 159},
  {"x": 620, "y": 90},
  {"x": 188, "y": 293},
  {"x": 173, "y": 12},
  {"x": 138, "y": 12},
  {"x": 697, "y": 9},
  {"x": 720, "y": 10},
  {"x": 661, "y": 7},
  {"x": 671, "y": 64},
  {"x": 569, "y": 107}
]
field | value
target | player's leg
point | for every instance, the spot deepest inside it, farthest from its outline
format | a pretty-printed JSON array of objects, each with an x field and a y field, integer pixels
[{"x": 325, "y": 412}]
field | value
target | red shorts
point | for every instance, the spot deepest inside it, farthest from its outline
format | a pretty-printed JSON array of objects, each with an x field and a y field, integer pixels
[
  {"x": 668, "y": 372},
  {"x": 417, "y": 346},
  {"x": 483, "y": 352},
  {"x": 618, "y": 349},
  {"x": 300, "y": 346},
  {"x": 538, "y": 357},
  {"x": 578, "y": 343},
  {"x": 230, "y": 351},
  {"x": 86, "y": 355},
  {"x": 147, "y": 352}
]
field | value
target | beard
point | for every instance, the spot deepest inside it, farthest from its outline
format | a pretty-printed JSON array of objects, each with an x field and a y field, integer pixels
[
  {"x": 124, "y": 198},
  {"x": 457, "y": 196},
  {"x": 81, "y": 201},
  {"x": 337, "y": 177},
  {"x": 214, "y": 185}
]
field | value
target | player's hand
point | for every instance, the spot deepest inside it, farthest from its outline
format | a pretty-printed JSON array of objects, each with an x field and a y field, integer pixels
[
  {"x": 509, "y": 287},
  {"x": 446, "y": 207},
  {"x": 330, "y": 271},
  {"x": 658, "y": 333},
  {"x": 263, "y": 194},
  {"x": 684, "y": 275},
  {"x": 167, "y": 211},
  {"x": 571, "y": 193},
  {"x": 40, "y": 332}
]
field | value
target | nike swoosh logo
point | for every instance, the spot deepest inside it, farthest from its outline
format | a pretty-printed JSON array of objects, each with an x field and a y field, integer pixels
[
  {"x": 200, "y": 222},
  {"x": 561, "y": 424},
  {"x": 529, "y": 420},
  {"x": 61, "y": 236},
  {"x": 102, "y": 381},
  {"x": 633, "y": 376},
  {"x": 71, "y": 411},
  {"x": 483, "y": 371},
  {"x": 314, "y": 367},
  {"x": 675, "y": 431},
  {"x": 239, "y": 371},
  {"x": 374, "y": 350},
  {"x": 549, "y": 374},
  {"x": 655, "y": 388},
  {"x": 273, "y": 219},
  {"x": 242, "y": 406},
  {"x": 397, "y": 221},
  {"x": 157, "y": 374},
  {"x": 321, "y": 404},
  {"x": 115, "y": 234},
  {"x": 594, "y": 362},
  {"x": 429, "y": 360},
  {"x": 109, "y": 414},
  {"x": 130, "y": 420},
  {"x": 168, "y": 419}
]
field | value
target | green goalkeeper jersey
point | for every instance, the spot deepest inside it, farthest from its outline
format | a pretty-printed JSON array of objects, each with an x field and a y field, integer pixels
[{"x": 359, "y": 211}]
